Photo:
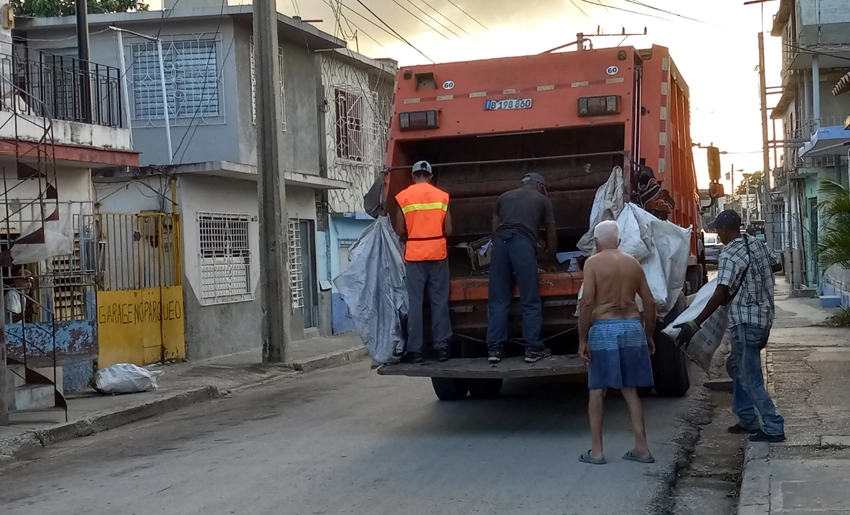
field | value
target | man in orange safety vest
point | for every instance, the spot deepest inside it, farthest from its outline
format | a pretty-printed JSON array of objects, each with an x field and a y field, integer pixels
[{"x": 423, "y": 222}]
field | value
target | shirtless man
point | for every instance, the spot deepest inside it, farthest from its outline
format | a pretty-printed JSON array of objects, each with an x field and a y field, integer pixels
[{"x": 612, "y": 341}]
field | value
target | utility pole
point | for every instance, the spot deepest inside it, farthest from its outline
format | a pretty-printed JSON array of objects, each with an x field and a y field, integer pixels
[
  {"x": 83, "y": 54},
  {"x": 275, "y": 297},
  {"x": 767, "y": 213}
]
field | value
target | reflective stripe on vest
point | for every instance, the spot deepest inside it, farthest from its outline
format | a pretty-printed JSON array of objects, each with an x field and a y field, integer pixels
[{"x": 424, "y": 207}]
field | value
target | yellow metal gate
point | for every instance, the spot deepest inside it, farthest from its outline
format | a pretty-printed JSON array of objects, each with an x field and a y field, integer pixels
[{"x": 140, "y": 299}]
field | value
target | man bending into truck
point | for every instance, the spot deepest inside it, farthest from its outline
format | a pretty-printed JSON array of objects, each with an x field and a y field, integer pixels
[
  {"x": 517, "y": 218},
  {"x": 423, "y": 221},
  {"x": 612, "y": 341}
]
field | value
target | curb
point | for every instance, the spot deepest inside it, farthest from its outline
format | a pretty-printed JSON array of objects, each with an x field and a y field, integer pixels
[
  {"x": 33, "y": 440},
  {"x": 754, "y": 498},
  {"x": 99, "y": 422},
  {"x": 331, "y": 359}
]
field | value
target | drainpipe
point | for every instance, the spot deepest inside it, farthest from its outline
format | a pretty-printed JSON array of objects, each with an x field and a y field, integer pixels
[{"x": 816, "y": 92}]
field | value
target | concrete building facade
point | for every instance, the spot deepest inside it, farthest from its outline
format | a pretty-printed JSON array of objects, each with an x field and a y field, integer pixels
[
  {"x": 330, "y": 157},
  {"x": 816, "y": 55}
]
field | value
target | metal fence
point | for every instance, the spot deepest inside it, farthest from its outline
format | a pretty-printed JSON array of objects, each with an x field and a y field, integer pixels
[
  {"x": 139, "y": 250},
  {"x": 57, "y": 84}
]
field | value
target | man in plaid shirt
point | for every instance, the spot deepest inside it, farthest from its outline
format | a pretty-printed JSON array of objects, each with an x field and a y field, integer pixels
[{"x": 745, "y": 284}]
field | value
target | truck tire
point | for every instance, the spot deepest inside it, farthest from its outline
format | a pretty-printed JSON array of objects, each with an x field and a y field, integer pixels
[
  {"x": 449, "y": 389},
  {"x": 669, "y": 364},
  {"x": 484, "y": 388}
]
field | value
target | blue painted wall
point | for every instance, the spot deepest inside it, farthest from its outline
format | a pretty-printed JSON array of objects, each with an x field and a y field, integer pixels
[{"x": 345, "y": 228}]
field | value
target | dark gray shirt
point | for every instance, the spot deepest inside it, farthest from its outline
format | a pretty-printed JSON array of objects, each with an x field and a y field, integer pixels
[{"x": 525, "y": 210}]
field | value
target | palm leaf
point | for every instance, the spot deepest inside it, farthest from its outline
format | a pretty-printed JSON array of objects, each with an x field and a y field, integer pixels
[{"x": 834, "y": 243}]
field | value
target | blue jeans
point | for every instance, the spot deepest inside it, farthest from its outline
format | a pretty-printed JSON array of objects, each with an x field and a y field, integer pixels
[
  {"x": 513, "y": 260},
  {"x": 750, "y": 400},
  {"x": 431, "y": 277}
]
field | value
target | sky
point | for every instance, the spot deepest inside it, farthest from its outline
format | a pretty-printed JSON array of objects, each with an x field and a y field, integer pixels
[{"x": 716, "y": 50}]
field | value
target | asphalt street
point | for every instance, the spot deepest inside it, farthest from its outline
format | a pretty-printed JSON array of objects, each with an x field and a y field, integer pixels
[{"x": 348, "y": 441}]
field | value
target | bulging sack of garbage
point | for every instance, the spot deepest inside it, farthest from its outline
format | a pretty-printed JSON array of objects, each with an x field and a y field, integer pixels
[
  {"x": 705, "y": 343},
  {"x": 374, "y": 290},
  {"x": 125, "y": 378}
]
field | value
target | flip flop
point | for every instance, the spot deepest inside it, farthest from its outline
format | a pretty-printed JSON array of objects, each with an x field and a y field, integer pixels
[
  {"x": 586, "y": 458},
  {"x": 631, "y": 456}
]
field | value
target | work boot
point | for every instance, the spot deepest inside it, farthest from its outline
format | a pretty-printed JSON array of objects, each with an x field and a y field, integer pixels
[
  {"x": 494, "y": 355},
  {"x": 533, "y": 356},
  {"x": 442, "y": 354},
  {"x": 413, "y": 358},
  {"x": 738, "y": 429},
  {"x": 761, "y": 436}
]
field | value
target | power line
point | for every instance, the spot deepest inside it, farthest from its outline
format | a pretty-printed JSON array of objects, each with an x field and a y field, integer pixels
[
  {"x": 671, "y": 13},
  {"x": 399, "y": 36},
  {"x": 600, "y": 4},
  {"x": 579, "y": 8},
  {"x": 418, "y": 18},
  {"x": 438, "y": 22},
  {"x": 449, "y": 20},
  {"x": 459, "y": 8},
  {"x": 368, "y": 21},
  {"x": 807, "y": 50}
]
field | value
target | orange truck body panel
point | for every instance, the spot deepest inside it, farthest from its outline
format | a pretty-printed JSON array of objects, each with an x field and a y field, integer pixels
[{"x": 655, "y": 129}]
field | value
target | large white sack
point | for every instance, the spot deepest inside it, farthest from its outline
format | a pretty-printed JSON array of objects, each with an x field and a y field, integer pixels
[
  {"x": 125, "y": 378},
  {"x": 705, "y": 343},
  {"x": 673, "y": 244},
  {"x": 607, "y": 205},
  {"x": 631, "y": 236}
]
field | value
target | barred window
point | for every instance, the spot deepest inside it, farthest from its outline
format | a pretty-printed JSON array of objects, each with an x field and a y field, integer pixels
[
  {"x": 225, "y": 257},
  {"x": 191, "y": 80},
  {"x": 254, "y": 85},
  {"x": 349, "y": 125},
  {"x": 296, "y": 271}
]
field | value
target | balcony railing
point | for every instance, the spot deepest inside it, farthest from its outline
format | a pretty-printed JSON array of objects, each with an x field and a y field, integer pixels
[{"x": 57, "y": 84}]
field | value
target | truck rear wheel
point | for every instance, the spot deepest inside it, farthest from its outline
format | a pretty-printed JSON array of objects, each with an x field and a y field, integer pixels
[
  {"x": 669, "y": 364},
  {"x": 448, "y": 389},
  {"x": 484, "y": 388}
]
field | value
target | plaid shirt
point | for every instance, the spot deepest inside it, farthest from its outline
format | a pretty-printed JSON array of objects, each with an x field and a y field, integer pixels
[{"x": 753, "y": 286}]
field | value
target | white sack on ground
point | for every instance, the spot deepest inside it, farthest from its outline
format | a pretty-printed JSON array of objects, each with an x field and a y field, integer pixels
[
  {"x": 373, "y": 288},
  {"x": 705, "y": 343},
  {"x": 125, "y": 378}
]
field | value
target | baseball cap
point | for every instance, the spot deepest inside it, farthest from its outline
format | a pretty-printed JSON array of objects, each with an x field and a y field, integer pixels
[
  {"x": 422, "y": 166},
  {"x": 534, "y": 176},
  {"x": 728, "y": 219}
]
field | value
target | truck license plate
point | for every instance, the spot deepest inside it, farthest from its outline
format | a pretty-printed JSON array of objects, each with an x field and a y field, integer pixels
[{"x": 509, "y": 103}]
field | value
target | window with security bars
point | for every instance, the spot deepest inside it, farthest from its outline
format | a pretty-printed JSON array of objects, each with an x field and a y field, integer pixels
[
  {"x": 349, "y": 125},
  {"x": 225, "y": 255},
  {"x": 254, "y": 86},
  {"x": 191, "y": 80},
  {"x": 296, "y": 271}
]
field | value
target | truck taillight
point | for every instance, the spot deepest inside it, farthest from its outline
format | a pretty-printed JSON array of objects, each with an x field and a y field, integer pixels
[
  {"x": 599, "y": 106},
  {"x": 417, "y": 120}
]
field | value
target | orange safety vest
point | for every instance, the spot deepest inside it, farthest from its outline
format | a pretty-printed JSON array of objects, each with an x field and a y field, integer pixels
[{"x": 424, "y": 207}]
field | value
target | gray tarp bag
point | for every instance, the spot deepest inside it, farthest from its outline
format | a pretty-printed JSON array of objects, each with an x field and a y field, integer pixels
[{"x": 374, "y": 290}]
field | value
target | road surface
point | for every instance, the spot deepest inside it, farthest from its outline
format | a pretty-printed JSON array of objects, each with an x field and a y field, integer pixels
[{"x": 345, "y": 441}]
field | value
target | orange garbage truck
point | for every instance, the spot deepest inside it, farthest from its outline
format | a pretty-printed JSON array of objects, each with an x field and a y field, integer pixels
[{"x": 572, "y": 117}]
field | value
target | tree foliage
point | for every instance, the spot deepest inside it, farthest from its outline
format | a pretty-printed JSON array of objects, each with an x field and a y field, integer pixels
[
  {"x": 834, "y": 240},
  {"x": 755, "y": 185},
  {"x": 47, "y": 8}
]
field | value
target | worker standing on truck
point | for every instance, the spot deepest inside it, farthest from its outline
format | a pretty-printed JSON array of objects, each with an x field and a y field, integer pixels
[
  {"x": 424, "y": 223},
  {"x": 745, "y": 283},
  {"x": 517, "y": 218},
  {"x": 612, "y": 341}
]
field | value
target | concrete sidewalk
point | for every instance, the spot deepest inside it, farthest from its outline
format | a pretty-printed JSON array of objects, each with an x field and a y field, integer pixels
[
  {"x": 807, "y": 375},
  {"x": 180, "y": 385}
]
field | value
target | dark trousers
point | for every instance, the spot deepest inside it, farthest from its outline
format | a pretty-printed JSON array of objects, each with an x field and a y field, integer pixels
[
  {"x": 513, "y": 260},
  {"x": 431, "y": 277}
]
